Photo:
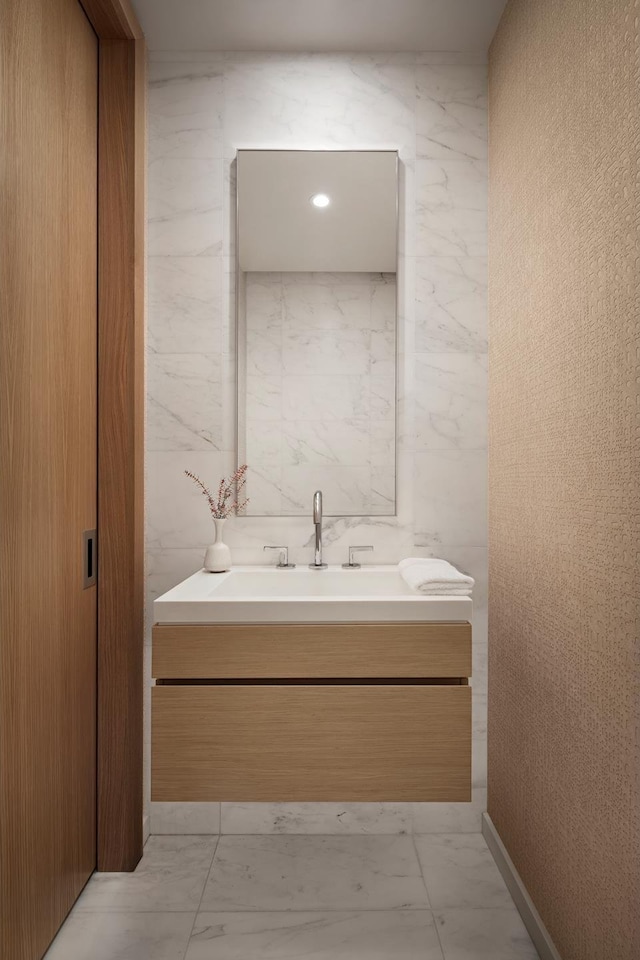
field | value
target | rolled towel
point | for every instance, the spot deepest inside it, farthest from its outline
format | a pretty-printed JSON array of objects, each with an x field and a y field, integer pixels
[{"x": 434, "y": 577}]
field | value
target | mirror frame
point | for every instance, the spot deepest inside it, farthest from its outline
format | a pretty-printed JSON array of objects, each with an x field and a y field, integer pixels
[{"x": 240, "y": 325}]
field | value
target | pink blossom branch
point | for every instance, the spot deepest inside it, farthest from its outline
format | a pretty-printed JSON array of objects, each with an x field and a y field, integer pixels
[{"x": 219, "y": 507}]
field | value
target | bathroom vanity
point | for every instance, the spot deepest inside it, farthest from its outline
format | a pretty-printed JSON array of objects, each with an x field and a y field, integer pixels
[
  {"x": 323, "y": 684},
  {"x": 301, "y": 685}
]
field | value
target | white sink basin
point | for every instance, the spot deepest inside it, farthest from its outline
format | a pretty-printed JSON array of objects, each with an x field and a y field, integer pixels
[{"x": 266, "y": 594}]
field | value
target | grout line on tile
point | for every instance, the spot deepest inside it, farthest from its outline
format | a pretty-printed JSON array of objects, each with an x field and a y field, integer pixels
[
  {"x": 424, "y": 882},
  {"x": 401, "y": 908},
  {"x": 435, "y": 926},
  {"x": 329, "y": 913},
  {"x": 204, "y": 887},
  {"x": 342, "y": 836},
  {"x": 331, "y": 910}
]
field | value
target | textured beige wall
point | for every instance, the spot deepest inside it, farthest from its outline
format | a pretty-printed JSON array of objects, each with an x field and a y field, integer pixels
[{"x": 565, "y": 465}]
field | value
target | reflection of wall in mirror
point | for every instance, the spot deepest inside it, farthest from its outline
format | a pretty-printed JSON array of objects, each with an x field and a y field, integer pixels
[{"x": 320, "y": 357}]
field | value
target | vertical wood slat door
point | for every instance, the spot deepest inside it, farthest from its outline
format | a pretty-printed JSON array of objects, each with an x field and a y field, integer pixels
[{"x": 48, "y": 381}]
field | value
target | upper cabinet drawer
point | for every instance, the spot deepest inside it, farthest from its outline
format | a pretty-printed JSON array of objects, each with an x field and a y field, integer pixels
[{"x": 322, "y": 651}]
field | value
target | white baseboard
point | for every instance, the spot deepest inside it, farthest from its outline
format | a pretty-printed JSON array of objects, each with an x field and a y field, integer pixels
[
  {"x": 526, "y": 907},
  {"x": 145, "y": 828}
]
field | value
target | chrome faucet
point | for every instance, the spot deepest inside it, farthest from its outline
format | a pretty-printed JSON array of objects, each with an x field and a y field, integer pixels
[{"x": 317, "y": 519}]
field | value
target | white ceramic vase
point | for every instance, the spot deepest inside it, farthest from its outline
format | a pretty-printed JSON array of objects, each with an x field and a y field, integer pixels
[{"x": 217, "y": 558}]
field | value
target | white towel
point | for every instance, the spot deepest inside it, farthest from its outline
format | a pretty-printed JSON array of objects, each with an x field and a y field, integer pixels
[{"x": 434, "y": 577}]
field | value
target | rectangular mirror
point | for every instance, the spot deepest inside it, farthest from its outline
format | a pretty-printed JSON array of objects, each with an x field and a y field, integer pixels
[{"x": 316, "y": 304}]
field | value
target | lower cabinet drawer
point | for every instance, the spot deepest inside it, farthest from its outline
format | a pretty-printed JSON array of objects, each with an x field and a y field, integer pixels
[{"x": 311, "y": 742}]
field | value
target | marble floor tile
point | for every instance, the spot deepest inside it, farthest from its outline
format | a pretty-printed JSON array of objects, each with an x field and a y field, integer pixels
[
  {"x": 170, "y": 877},
  {"x": 185, "y": 818},
  {"x": 449, "y": 817},
  {"x": 316, "y": 818},
  {"x": 484, "y": 935},
  {"x": 459, "y": 871},
  {"x": 371, "y": 935},
  {"x": 122, "y": 936},
  {"x": 315, "y": 873}
]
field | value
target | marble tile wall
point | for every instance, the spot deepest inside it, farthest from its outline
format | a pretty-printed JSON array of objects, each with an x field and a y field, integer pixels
[
  {"x": 317, "y": 392},
  {"x": 432, "y": 109}
]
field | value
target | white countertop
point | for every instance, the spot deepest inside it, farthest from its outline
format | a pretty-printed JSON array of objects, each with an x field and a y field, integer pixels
[{"x": 259, "y": 594}]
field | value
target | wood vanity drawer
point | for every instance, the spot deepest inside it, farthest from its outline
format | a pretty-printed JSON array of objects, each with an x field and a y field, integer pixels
[
  {"x": 311, "y": 650},
  {"x": 311, "y": 742}
]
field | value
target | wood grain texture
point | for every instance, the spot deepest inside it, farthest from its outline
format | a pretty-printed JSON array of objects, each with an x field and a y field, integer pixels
[
  {"x": 299, "y": 650},
  {"x": 121, "y": 424},
  {"x": 311, "y": 743},
  {"x": 113, "y": 19},
  {"x": 564, "y": 465},
  {"x": 48, "y": 352}
]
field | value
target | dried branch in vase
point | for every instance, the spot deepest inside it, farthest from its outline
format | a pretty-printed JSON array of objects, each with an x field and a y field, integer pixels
[{"x": 227, "y": 500}]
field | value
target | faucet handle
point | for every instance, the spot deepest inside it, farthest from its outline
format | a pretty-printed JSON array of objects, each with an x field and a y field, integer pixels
[
  {"x": 352, "y": 565},
  {"x": 283, "y": 558}
]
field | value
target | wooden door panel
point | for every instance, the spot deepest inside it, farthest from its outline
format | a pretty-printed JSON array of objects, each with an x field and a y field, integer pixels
[{"x": 48, "y": 379}]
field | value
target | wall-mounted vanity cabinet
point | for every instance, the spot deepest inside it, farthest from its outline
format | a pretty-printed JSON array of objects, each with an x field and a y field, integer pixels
[{"x": 311, "y": 711}]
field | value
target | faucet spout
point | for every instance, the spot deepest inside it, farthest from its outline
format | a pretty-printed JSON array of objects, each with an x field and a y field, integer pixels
[{"x": 317, "y": 519}]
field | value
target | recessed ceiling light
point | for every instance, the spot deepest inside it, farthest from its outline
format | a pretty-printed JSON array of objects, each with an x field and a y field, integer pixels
[{"x": 320, "y": 200}]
